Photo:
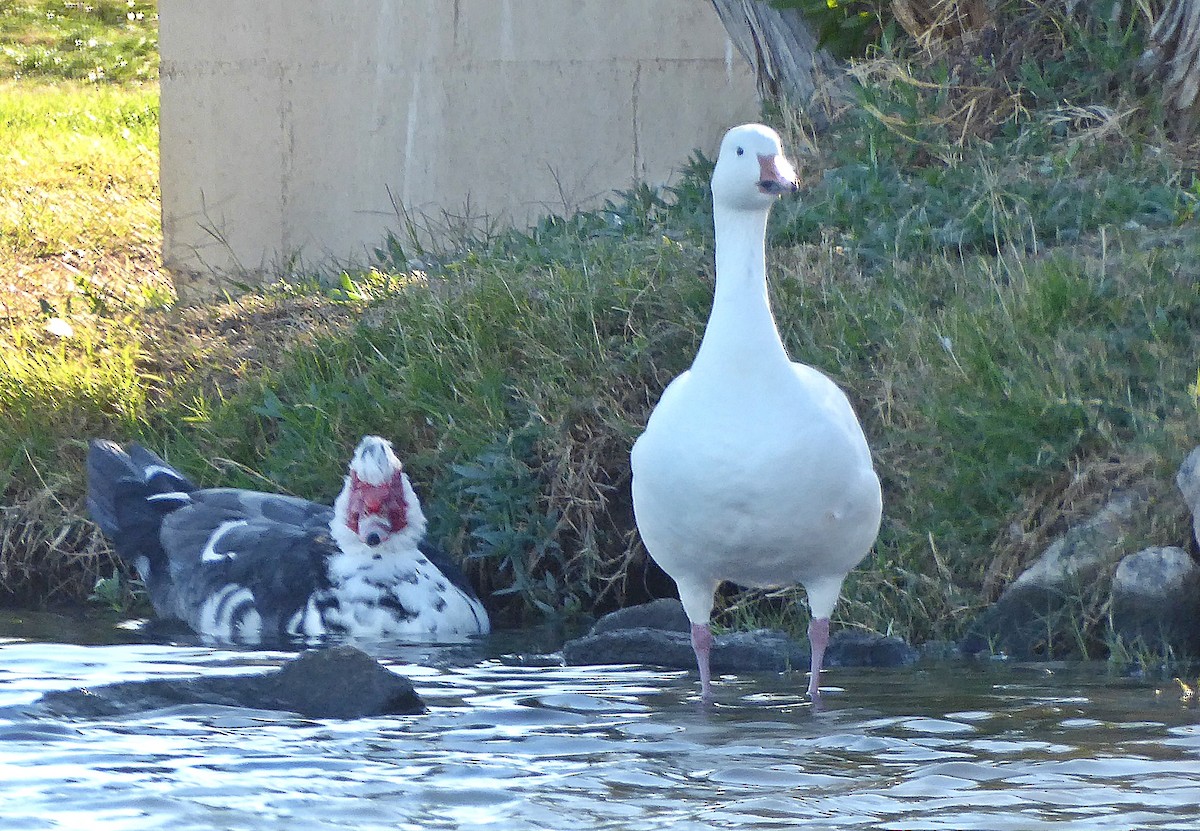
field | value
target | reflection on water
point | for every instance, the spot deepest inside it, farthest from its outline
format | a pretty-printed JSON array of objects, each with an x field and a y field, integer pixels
[{"x": 513, "y": 743}]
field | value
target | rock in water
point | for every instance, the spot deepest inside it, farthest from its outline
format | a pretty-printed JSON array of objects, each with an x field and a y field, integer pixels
[
  {"x": 1156, "y": 600},
  {"x": 657, "y": 634},
  {"x": 340, "y": 682},
  {"x": 666, "y": 614},
  {"x": 344, "y": 682},
  {"x": 639, "y": 645},
  {"x": 848, "y": 648}
]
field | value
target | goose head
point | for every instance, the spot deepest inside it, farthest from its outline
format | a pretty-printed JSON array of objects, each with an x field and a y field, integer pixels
[{"x": 751, "y": 171}]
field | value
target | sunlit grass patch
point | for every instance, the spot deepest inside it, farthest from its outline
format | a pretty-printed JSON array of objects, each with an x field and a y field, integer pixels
[
  {"x": 80, "y": 222},
  {"x": 95, "y": 41},
  {"x": 65, "y": 383}
]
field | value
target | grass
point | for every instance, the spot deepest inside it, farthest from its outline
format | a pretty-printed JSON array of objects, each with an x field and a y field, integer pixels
[
  {"x": 1014, "y": 315},
  {"x": 79, "y": 221},
  {"x": 79, "y": 253},
  {"x": 97, "y": 41},
  {"x": 79, "y": 214}
]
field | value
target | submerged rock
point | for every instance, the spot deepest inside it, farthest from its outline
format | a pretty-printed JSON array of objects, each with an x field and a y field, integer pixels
[
  {"x": 340, "y": 682},
  {"x": 762, "y": 650},
  {"x": 639, "y": 645},
  {"x": 631, "y": 636},
  {"x": 1156, "y": 600}
]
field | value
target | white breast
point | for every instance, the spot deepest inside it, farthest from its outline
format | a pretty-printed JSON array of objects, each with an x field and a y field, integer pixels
[{"x": 398, "y": 596}]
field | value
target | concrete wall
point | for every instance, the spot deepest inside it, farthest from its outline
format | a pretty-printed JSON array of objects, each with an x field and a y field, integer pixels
[{"x": 294, "y": 130}]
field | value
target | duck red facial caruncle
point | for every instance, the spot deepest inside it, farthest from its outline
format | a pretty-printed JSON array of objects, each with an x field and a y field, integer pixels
[{"x": 375, "y": 512}]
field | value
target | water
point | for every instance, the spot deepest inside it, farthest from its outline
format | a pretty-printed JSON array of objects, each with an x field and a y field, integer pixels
[{"x": 513, "y": 741}]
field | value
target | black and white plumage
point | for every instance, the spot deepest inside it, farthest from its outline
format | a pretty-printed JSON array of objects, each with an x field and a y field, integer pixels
[{"x": 242, "y": 566}]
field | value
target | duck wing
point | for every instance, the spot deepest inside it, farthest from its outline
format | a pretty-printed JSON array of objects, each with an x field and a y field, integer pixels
[{"x": 244, "y": 564}]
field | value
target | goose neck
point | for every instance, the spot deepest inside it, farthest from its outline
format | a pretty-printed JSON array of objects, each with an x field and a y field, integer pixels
[{"x": 741, "y": 329}]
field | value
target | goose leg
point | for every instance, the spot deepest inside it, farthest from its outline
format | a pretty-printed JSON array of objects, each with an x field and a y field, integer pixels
[
  {"x": 702, "y": 641},
  {"x": 818, "y": 639}
]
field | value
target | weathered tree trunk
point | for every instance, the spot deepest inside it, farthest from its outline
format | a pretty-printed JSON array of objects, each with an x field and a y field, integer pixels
[
  {"x": 1173, "y": 56},
  {"x": 783, "y": 51}
]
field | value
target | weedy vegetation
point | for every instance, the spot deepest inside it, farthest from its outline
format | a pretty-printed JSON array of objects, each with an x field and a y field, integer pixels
[{"x": 1007, "y": 289}]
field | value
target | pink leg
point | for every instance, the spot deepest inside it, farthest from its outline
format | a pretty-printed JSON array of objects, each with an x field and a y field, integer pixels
[
  {"x": 702, "y": 641},
  {"x": 818, "y": 639}
]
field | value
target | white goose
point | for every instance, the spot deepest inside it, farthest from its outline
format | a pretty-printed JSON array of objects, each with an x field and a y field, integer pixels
[{"x": 753, "y": 468}]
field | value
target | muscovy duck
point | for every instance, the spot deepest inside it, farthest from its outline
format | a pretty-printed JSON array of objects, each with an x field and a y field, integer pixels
[
  {"x": 241, "y": 566},
  {"x": 753, "y": 468}
]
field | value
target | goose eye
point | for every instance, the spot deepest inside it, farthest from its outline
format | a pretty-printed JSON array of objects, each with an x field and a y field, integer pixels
[{"x": 740, "y": 151}]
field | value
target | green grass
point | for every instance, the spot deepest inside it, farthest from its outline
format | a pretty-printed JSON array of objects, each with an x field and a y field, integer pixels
[
  {"x": 94, "y": 41},
  {"x": 79, "y": 214},
  {"x": 1016, "y": 321}
]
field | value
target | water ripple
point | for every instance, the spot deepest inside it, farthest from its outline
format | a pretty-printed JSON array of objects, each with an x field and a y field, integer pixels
[{"x": 515, "y": 743}]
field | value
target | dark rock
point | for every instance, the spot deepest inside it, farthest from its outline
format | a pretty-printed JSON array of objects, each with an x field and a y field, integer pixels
[
  {"x": 344, "y": 682},
  {"x": 1156, "y": 601},
  {"x": 666, "y": 614},
  {"x": 643, "y": 645},
  {"x": 1028, "y": 623},
  {"x": 848, "y": 648},
  {"x": 764, "y": 650},
  {"x": 335, "y": 682},
  {"x": 937, "y": 651},
  {"x": 1037, "y": 617},
  {"x": 637, "y": 636}
]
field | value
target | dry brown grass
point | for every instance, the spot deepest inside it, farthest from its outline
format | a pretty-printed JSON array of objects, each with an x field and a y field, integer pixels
[
  {"x": 221, "y": 345},
  {"x": 50, "y": 553}
]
